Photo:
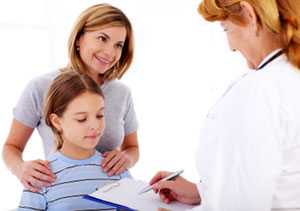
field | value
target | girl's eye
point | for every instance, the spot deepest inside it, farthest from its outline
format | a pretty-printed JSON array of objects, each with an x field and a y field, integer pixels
[
  {"x": 81, "y": 120},
  {"x": 99, "y": 116}
]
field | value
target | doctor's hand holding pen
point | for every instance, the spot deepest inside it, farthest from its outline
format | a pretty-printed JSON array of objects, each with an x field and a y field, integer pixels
[{"x": 178, "y": 189}]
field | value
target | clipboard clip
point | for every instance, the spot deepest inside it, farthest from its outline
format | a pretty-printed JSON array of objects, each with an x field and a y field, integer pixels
[{"x": 110, "y": 186}]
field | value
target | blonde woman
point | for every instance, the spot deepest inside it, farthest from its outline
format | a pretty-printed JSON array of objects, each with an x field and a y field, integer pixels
[
  {"x": 249, "y": 152},
  {"x": 101, "y": 46}
]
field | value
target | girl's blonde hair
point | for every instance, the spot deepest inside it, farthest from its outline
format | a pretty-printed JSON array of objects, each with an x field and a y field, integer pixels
[
  {"x": 279, "y": 16},
  {"x": 92, "y": 19},
  {"x": 65, "y": 88}
]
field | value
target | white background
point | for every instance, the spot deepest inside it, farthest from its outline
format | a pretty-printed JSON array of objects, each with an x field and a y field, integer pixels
[{"x": 182, "y": 65}]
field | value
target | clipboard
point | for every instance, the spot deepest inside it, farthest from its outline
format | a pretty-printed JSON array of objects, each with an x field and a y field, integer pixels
[{"x": 124, "y": 195}]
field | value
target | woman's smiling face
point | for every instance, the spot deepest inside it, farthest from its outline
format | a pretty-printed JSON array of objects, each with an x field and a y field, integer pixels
[{"x": 101, "y": 49}]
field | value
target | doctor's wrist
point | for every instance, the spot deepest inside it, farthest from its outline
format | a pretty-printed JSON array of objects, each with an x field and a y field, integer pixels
[{"x": 196, "y": 199}]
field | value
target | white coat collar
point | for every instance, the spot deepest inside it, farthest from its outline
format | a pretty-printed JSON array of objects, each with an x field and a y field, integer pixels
[{"x": 269, "y": 57}]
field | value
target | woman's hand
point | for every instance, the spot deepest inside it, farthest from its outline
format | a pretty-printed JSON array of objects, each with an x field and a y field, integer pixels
[
  {"x": 115, "y": 162},
  {"x": 35, "y": 174},
  {"x": 178, "y": 189}
]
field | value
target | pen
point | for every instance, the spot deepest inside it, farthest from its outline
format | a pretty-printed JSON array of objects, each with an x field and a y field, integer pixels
[{"x": 169, "y": 177}]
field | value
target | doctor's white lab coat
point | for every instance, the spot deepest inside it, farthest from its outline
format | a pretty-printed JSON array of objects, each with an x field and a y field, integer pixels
[{"x": 249, "y": 151}]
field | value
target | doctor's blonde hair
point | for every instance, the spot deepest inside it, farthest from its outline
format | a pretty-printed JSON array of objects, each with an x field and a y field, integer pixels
[
  {"x": 94, "y": 18},
  {"x": 279, "y": 16}
]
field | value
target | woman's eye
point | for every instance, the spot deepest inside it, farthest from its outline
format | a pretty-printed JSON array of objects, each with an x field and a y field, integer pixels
[
  {"x": 102, "y": 38},
  {"x": 120, "y": 46},
  {"x": 81, "y": 120}
]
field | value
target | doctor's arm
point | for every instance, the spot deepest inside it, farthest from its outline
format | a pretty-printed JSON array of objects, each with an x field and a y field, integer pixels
[{"x": 178, "y": 189}]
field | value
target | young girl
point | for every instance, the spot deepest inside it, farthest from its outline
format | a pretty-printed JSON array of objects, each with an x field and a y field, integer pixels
[{"x": 74, "y": 111}]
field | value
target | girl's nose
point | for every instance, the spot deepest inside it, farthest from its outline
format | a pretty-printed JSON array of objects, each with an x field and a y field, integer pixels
[{"x": 95, "y": 125}]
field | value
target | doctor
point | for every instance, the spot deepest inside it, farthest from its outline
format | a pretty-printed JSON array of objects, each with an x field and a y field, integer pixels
[{"x": 249, "y": 152}]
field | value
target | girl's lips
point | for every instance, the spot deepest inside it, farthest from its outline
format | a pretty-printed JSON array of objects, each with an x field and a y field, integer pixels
[{"x": 92, "y": 136}]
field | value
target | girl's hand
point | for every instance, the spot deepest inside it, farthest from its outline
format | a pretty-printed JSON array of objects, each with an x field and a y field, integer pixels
[
  {"x": 115, "y": 162},
  {"x": 35, "y": 174}
]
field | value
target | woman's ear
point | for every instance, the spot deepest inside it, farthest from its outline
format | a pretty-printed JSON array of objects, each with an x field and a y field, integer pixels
[
  {"x": 56, "y": 122},
  {"x": 250, "y": 16},
  {"x": 77, "y": 45}
]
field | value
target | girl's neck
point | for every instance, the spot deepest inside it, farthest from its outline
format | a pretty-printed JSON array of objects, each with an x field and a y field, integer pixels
[{"x": 76, "y": 153}]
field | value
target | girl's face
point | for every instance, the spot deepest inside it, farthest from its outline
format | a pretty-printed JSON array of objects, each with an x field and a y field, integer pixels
[
  {"x": 82, "y": 125},
  {"x": 100, "y": 50}
]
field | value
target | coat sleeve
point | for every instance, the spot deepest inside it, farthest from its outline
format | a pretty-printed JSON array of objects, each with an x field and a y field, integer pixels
[{"x": 241, "y": 159}]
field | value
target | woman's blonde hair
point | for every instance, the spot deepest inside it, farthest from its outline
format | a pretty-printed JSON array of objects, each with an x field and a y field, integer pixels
[
  {"x": 279, "y": 16},
  {"x": 66, "y": 87},
  {"x": 92, "y": 19}
]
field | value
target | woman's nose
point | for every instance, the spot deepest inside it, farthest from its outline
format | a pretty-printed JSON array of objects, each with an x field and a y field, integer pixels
[{"x": 109, "y": 52}]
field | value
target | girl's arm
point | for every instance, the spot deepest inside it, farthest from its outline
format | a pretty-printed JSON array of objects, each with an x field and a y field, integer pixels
[{"x": 32, "y": 201}]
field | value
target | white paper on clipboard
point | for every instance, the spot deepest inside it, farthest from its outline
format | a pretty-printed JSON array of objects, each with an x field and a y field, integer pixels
[{"x": 126, "y": 192}]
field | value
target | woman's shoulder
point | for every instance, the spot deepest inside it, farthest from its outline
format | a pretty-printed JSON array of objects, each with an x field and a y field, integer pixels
[
  {"x": 41, "y": 83},
  {"x": 45, "y": 78},
  {"x": 37, "y": 87},
  {"x": 115, "y": 86}
]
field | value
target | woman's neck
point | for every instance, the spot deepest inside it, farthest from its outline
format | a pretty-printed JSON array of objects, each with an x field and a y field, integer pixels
[{"x": 98, "y": 78}]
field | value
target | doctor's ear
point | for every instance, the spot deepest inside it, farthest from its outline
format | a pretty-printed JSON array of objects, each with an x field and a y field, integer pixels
[
  {"x": 56, "y": 122},
  {"x": 250, "y": 17}
]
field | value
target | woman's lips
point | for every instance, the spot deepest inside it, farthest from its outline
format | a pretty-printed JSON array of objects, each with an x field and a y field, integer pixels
[{"x": 103, "y": 61}]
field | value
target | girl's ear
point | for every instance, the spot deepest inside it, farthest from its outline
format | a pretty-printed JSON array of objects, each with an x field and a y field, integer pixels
[
  {"x": 250, "y": 16},
  {"x": 56, "y": 122}
]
